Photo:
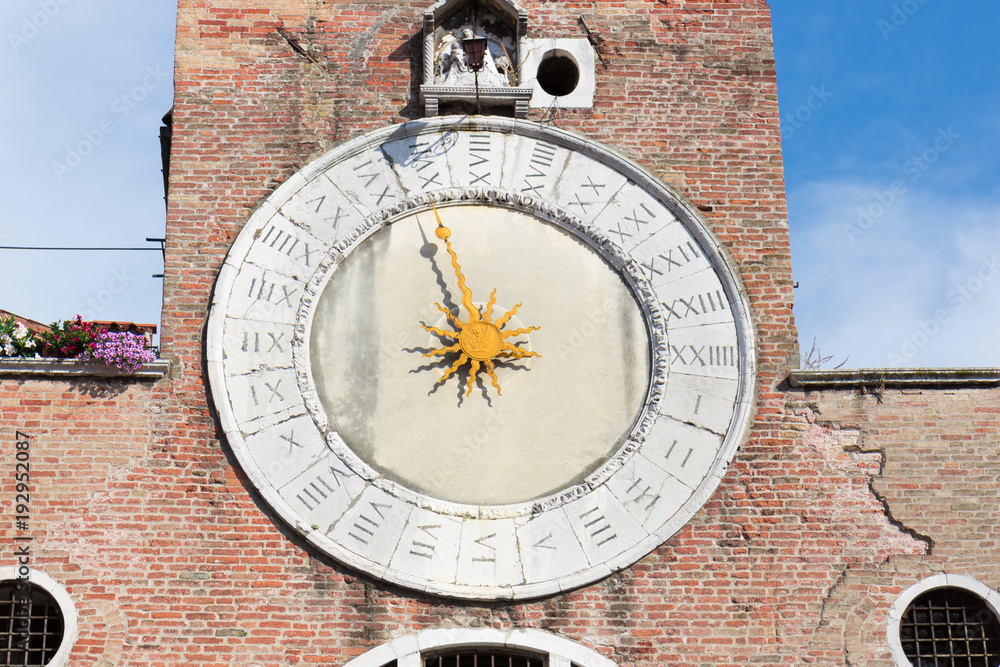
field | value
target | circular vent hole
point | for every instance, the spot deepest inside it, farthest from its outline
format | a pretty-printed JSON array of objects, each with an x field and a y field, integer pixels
[{"x": 558, "y": 74}]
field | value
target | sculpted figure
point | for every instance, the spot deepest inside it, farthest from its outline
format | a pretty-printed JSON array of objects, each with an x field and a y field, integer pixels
[{"x": 454, "y": 64}]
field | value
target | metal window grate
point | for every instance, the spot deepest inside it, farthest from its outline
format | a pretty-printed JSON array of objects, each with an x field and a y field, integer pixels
[
  {"x": 473, "y": 658},
  {"x": 952, "y": 627},
  {"x": 31, "y": 627}
]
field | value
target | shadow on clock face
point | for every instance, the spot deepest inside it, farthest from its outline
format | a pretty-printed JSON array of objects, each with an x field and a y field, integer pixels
[
  {"x": 557, "y": 416},
  {"x": 481, "y": 387}
]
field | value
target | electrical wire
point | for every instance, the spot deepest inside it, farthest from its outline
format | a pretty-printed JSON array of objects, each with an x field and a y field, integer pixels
[{"x": 15, "y": 247}]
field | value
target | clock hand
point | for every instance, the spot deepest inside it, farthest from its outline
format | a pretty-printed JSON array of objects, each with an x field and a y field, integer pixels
[
  {"x": 444, "y": 233},
  {"x": 478, "y": 341}
]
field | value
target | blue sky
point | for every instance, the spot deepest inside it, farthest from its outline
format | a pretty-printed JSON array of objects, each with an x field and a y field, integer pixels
[
  {"x": 891, "y": 139},
  {"x": 89, "y": 78}
]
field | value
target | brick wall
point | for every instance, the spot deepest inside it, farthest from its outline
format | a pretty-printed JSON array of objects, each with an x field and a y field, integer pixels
[
  {"x": 832, "y": 506},
  {"x": 936, "y": 472},
  {"x": 797, "y": 557},
  {"x": 95, "y": 511}
]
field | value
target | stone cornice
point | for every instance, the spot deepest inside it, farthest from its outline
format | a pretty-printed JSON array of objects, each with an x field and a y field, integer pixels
[
  {"x": 801, "y": 378},
  {"x": 70, "y": 368}
]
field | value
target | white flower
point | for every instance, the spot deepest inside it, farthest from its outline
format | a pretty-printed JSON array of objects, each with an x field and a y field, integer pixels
[
  {"x": 4, "y": 339},
  {"x": 8, "y": 349},
  {"x": 20, "y": 331},
  {"x": 30, "y": 344}
]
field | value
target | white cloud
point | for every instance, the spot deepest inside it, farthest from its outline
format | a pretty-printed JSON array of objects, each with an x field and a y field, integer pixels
[{"x": 899, "y": 278}]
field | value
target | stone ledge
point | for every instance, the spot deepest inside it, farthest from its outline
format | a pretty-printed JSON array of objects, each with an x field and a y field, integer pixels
[
  {"x": 894, "y": 377},
  {"x": 431, "y": 95},
  {"x": 70, "y": 368}
]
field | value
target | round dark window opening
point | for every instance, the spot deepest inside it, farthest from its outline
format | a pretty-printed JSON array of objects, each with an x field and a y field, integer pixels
[
  {"x": 32, "y": 622},
  {"x": 558, "y": 74},
  {"x": 950, "y": 626}
]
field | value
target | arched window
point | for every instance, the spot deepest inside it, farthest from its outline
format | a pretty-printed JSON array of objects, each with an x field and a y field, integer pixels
[
  {"x": 483, "y": 657},
  {"x": 481, "y": 647}
]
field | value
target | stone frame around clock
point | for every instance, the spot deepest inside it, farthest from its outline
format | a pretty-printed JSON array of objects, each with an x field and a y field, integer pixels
[{"x": 225, "y": 395}]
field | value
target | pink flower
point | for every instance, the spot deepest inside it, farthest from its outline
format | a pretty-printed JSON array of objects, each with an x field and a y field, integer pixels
[{"x": 124, "y": 350}]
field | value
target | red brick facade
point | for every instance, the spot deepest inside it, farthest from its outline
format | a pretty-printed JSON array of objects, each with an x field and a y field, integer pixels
[{"x": 836, "y": 503}]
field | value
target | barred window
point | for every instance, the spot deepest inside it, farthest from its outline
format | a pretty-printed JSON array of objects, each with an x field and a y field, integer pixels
[
  {"x": 950, "y": 626},
  {"x": 31, "y": 622},
  {"x": 482, "y": 658}
]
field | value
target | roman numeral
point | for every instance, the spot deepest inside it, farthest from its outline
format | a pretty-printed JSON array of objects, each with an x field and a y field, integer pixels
[
  {"x": 675, "y": 257},
  {"x": 262, "y": 290},
  {"x": 382, "y": 195},
  {"x": 290, "y": 439},
  {"x": 638, "y": 219},
  {"x": 338, "y": 214},
  {"x": 598, "y": 527},
  {"x": 479, "y": 150},
  {"x": 252, "y": 342},
  {"x": 622, "y": 234},
  {"x": 699, "y": 304},
  {"x": 370, "y": 176},
  {"x": 273, "y": 392},
  {"x": 541, "y": 160},
  {"x": 687, "y": 456},
  {"x": 490, "y": 557},
  {"x": 275, "y": 342},
  {"x": 371, "y": 173},
  {"x": 582, "y": 204},
  {"x": 286, "y": 243},
  {"x": 595, "y": 186},
  {"x": 315, "y": 492},
  {"x": 425, "y": 163},
  {"x": 426, "y": 181},
  {"x": 318, "y": 199},
  {"x": 364, "y": 528},
  {"x": 425, "y": 545},
  {"x": 643, "y": 494},
  {"x": 706, "y": 355},
  {"x": 541, "y": 544}
]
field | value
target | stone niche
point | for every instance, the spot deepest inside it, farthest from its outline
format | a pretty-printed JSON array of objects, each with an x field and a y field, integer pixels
[{"x": 449, "y": 85}]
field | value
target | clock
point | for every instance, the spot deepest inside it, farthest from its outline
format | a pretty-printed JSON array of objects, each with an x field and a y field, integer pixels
[{"x": 480, "y": 358}]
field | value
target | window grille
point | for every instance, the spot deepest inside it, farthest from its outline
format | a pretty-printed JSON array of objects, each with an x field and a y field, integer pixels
[
  {"x": 31, "y": 626},
  {"x": 948, "y": 626},
  {"x": 473, "y": 658}
]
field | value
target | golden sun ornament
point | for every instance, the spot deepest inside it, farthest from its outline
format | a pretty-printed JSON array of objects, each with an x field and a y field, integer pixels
[{"x": 478, "y": 340}]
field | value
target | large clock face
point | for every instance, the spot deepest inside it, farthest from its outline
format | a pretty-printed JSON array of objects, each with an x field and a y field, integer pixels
[
  {"x": 549, "y": 421},
  {"x": 480, "y": 358}
]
